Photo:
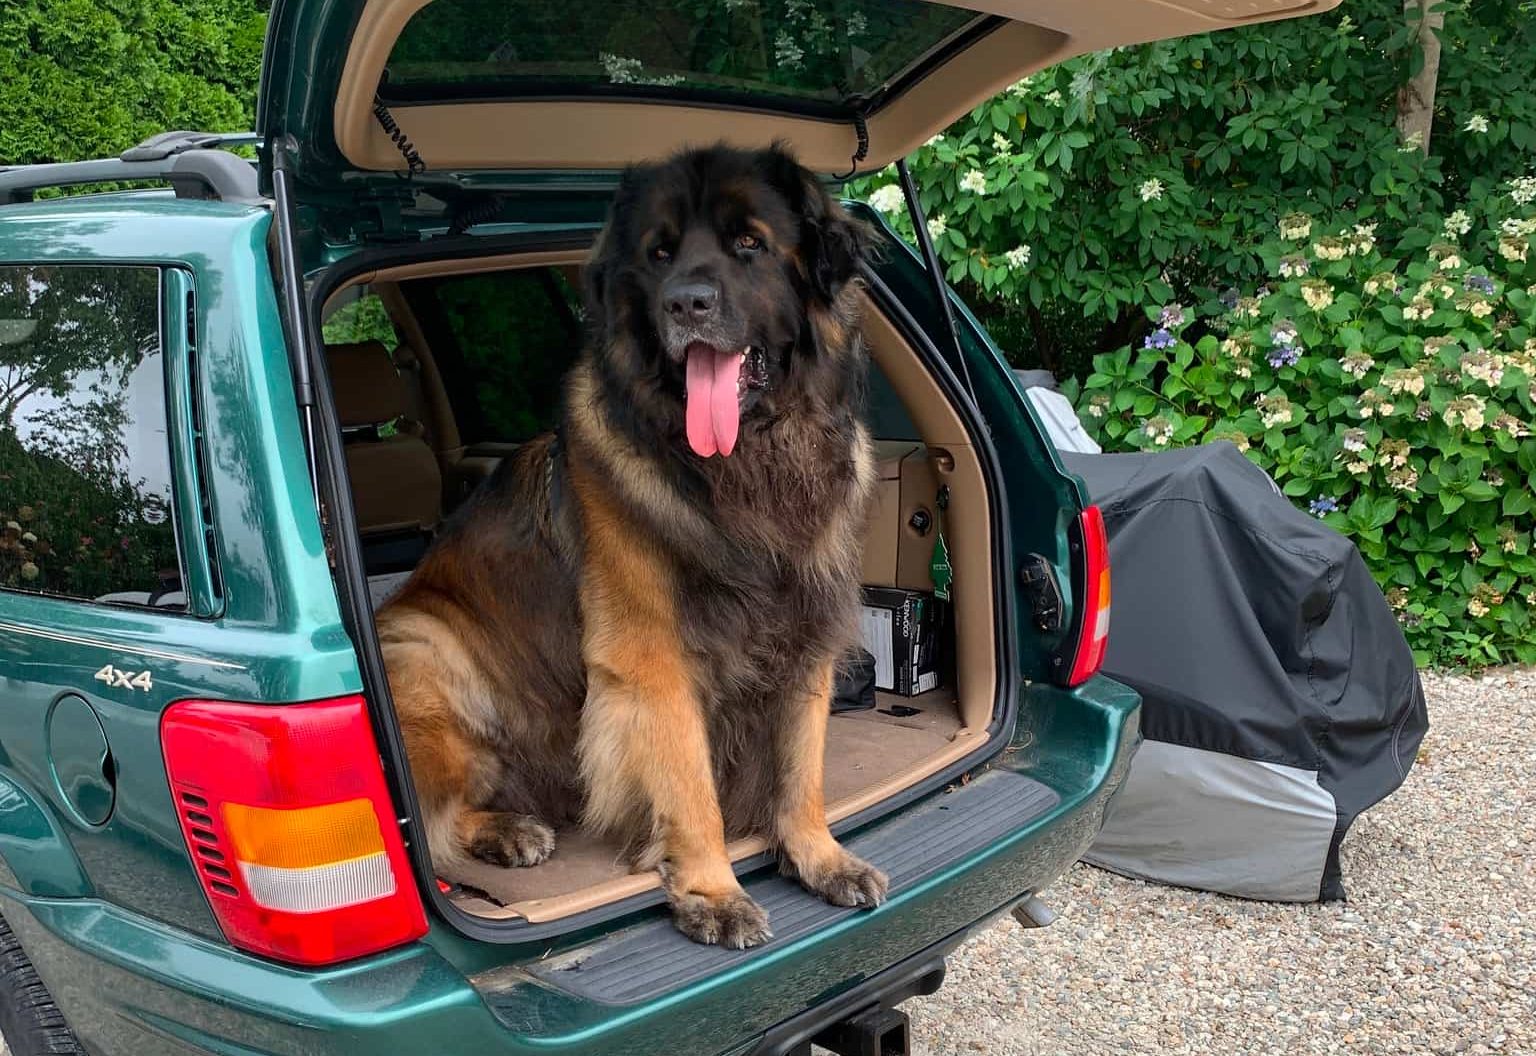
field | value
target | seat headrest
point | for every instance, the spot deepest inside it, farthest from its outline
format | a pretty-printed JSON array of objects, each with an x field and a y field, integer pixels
[{"x": 367, "y": 387}]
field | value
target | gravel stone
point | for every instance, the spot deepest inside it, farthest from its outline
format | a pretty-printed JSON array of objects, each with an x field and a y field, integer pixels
[{"x": 1434, "y": 951}]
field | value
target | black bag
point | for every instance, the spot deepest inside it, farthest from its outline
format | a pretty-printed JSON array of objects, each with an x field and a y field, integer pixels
[{"x": 853, "y": 688}]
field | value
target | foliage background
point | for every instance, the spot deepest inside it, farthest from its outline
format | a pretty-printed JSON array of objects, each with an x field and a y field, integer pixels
[{"x": 87, "y": 79}]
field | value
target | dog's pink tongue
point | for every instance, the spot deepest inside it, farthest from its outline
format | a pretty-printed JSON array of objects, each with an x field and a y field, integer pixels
[{"x": 713, "y": 405}]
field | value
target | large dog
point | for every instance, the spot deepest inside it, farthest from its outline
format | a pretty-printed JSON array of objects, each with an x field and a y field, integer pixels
[{"x": 637, "y": 618}]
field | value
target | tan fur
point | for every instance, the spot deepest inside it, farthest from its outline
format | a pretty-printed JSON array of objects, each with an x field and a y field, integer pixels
[{"x": 643, "y": 738}]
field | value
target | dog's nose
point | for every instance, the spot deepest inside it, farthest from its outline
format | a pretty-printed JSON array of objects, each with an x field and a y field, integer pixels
[{"x": 692, "y": 302}]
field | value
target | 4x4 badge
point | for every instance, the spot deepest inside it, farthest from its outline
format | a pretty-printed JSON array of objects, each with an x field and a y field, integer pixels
[{"x": 116, "y": 677}]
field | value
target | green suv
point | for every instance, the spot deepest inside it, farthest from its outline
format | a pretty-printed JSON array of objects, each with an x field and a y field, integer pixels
[{"x": 235, "y": 407}]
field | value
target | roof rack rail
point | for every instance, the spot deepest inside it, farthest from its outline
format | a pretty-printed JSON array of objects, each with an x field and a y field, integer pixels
[{"x": 191, "y": 162}]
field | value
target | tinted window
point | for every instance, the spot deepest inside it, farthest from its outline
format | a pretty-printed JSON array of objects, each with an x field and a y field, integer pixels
[
  {"x": 85, "y": 474},
  {"x": 818, "y": 51},
  {"x": 510, "y": 338}
]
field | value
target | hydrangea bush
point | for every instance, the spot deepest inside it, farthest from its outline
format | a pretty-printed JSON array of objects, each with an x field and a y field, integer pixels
[
  {"x": 1095, "y": 186},
  {"x": 1389, "y": 390}
]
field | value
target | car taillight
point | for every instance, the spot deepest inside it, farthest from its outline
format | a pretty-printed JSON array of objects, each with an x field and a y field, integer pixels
[
  {"x": 1093, "y": 625},
  {"x": 290, "y": 827}
]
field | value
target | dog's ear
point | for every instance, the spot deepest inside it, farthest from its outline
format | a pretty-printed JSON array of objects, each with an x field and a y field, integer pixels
[
  {"x": 601, "y": 276},
  {"x": 832, "y": 243}
]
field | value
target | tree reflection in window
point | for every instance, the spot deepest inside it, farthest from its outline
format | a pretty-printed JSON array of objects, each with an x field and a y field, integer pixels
[{"x": 85, "y": 475}]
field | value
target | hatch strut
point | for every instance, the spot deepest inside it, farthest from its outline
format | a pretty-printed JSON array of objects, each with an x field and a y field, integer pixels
[
  {"x": 293, "y": 297},
  {"x": 935, "y": 275}
]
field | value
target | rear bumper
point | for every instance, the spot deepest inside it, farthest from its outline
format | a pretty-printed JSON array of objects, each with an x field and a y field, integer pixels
[{"x": 130, "y": 986}]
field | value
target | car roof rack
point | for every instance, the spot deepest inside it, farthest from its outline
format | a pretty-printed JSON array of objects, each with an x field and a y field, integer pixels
[{"x": 193, "y": 163}]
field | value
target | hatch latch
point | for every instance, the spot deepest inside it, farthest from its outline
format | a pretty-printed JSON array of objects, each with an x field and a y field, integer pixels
[{"x": 1038, "y": 577}]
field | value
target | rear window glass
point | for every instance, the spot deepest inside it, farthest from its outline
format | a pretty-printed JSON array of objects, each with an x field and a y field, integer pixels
[
  {"x": 506, "y": 340},
  {"x": 790, "y": 50},
  {"x": 85, "y": 467}
]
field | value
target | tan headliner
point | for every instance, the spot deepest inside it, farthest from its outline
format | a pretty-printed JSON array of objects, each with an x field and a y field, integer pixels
[{"x": 593, "y": 134}]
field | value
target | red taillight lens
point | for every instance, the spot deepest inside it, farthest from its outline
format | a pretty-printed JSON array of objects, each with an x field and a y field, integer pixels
[
  {"x": 290, "y": 827},
  {"x": 1093, "y": 633}
]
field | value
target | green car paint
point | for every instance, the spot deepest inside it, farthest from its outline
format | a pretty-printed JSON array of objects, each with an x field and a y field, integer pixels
[{"x": 112, "y": 913}]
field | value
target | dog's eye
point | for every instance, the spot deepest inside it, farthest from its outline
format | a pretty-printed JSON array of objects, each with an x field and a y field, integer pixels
[
  {"x": 661, "y": 255},
  {"x": 748, "y": 242}
]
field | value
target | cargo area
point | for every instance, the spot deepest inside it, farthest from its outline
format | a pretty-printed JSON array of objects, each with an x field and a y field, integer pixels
[{"x": 440, "y": 369}]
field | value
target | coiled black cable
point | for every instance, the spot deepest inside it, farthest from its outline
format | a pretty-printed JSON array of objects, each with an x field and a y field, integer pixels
[
  {"x": 475, "y": 213},
  {"x": 861, "y": 130},
  {"x": 407, "y": 149}
]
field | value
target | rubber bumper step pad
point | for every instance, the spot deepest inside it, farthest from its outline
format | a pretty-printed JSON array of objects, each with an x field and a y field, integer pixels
[{"x": 647, "y": 961}]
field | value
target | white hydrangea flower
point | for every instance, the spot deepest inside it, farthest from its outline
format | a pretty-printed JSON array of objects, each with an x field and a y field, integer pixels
[
  {"x": 888, "y": 199},
  {"x": 1053, "y": 97},
  {"x": 1018, "y": 256},
  {"x": 1513, "y": 248},
  {"x": 1356, "y": 364},
  {"x": 938, "y": 225},
  {"x": 1523, "y": 189},
  {"x": 1151, "y": 190},
  {"x": 1000, "y": 143},
  {"x": 1519, "y": 228},
  {"x": 1476, "y": 123},
  {"x": 934, "y": 141},
  {"x": 1457, "y": 224},
  {"x": 1317, "y": 294},
  {"x": 1295, "y": 227},
  {"x": 1468, "y": 410},
  {"x": 974, "y": 181},
  {"x": 1159, "y": 430},
  {"x": 1450, "y": 262},
  {"x": 1418, "y": 310},
  {"x": 1364, "y": 239},
  {"x": 1330, "y": 249},
  {"x": 1274, "y": 410}
]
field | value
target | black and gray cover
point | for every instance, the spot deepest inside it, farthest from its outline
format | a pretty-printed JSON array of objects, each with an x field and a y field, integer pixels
[{"x": 1280, "y": 698}]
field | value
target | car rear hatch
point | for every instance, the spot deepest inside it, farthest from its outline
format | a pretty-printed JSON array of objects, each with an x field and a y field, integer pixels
[{"x": 379, "y": 118}]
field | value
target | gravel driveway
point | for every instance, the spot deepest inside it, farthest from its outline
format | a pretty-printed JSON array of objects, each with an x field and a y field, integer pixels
[{"x": 1433, "y": 952}]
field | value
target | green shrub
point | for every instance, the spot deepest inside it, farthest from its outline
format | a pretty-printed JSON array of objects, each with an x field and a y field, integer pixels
[
  {"x": 1145, "y": 173},
  {"x": 1388, "y": 389},
  {"x": 81, "y": 79}
]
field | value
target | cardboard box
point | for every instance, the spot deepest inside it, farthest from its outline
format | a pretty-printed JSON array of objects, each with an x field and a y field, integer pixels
[
  {"x": 904, "y": 631},
  {"x": 898, "y": 540}
]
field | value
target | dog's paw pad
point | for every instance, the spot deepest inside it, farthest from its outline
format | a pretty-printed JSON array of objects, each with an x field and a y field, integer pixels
[
  {"x": 513, "y": 840},
  {"x": 733, "y": 921},
  {"x": 849, "y": 881}
]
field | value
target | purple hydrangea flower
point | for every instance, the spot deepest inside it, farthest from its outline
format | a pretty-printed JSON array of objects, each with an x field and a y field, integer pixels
[
  {"x": 1481, "y": 283},
  {"x": 1284, "y": 356},
  {"x": 1159, "y": 339},
  {"x": 1229, "y": 298},
  {"x": 1171, "y": 317},
  {"x": 1322, "y": 507}
]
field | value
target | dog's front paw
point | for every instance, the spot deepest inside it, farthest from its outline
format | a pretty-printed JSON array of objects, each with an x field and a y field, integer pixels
[
  {"x": 732, "y": 920},
  {"x": 845, "y": 881},
  {"x": 512, "y": 839}
]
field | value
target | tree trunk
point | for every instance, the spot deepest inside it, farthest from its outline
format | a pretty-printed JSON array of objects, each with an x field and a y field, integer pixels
[{"x": 1416, "y": 98}]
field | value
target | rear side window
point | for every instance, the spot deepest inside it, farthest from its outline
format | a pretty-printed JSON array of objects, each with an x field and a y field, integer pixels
[
  {"x": 358, "y": 314},
  {"x": 85, "y": 468},
  {"x": 505, "y": 340}
]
